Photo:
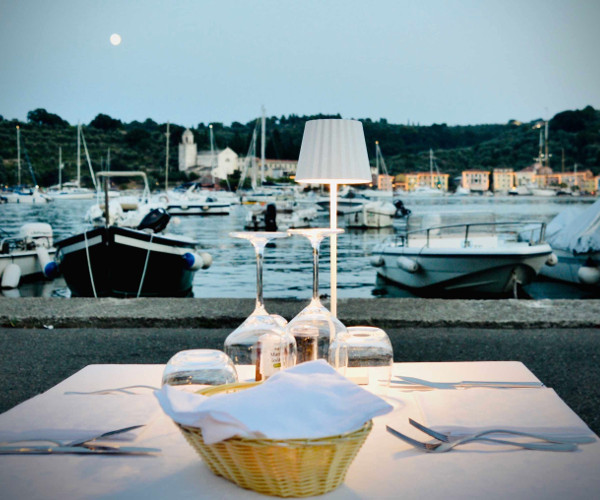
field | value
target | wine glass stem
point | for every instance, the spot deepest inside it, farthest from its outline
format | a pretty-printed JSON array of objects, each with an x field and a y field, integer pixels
[
  {"x": 259, "y": 279},
  {"x": 315, "y": 271}
]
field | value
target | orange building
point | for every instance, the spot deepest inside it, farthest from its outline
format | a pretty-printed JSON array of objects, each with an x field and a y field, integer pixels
[{"x": 476, "y": 180}]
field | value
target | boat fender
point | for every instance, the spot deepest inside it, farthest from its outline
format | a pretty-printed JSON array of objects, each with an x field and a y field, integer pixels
[
  {"x": 552, "y": 260},
  {"x": 407, "y": 264},
  {"x": 377, "y": 261},
  {"x": 49, "y": 267},
  {"x": 587, "y": 274},
  {"x": 193, "y": 261},
  {"x": 11, "y": 276}
]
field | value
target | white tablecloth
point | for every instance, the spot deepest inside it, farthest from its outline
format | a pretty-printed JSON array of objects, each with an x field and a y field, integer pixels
[{"x": 384, "y": 468}]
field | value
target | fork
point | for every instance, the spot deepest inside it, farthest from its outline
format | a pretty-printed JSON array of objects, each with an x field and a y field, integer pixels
[
  {"x": 80, "y": 442},
  {"x": 441, "y": 436},
  {"x": 441, "y": 446},
  {"x": 124, "y": 390}
]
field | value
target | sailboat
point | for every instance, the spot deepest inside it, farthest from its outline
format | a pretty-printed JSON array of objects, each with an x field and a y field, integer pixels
[
  {"x": 428, "y": 190},
  {"x": 72, "y": 190},
  {"x": 20, "y": 194}
]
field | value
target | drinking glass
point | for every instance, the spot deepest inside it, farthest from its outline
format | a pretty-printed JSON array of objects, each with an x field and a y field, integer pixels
[
  {"x": 199, "y": 367},
  {"x": 261, "y": 341},
  {"x": 368, "y": 355},
  {"x": 315, "y": 327}
]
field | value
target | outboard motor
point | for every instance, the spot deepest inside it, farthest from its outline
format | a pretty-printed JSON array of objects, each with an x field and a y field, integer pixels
[
  {"x": 156, "y": 220},
  {"x": 401, "y": 210},
  {"x": 270, "y": 217}
]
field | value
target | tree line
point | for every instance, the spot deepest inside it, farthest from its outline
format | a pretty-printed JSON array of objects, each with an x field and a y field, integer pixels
[{"x": 574, "y": 140}]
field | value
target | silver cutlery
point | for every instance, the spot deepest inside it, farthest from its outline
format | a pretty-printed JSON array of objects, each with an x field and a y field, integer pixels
[
  {"x": 79, "y": 442},
  {"x": 77, "y": 450},
  {"x": 442, "y": 447},
  {"x": 545, "y": 437},
  {"x": 123, "y": 390},
  {"x": 410, "y": 382}
]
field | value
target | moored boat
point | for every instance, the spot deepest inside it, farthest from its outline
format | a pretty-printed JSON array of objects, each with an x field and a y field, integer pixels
[
  {"x": 461, "y": 260},
  {"x": 125, "y": 261},
  {"x": 28, "y": 255}
]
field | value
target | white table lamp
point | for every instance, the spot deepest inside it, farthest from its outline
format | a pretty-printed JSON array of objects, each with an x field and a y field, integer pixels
[{"x": 333, "y": 152}]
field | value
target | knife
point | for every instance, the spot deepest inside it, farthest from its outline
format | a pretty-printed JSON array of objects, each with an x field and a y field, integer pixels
[
  {"x": 465, "y": 383},
  {"x": 78, "y": 450}
]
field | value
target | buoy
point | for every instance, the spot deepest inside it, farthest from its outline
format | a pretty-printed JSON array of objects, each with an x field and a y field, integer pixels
[
  {"x": 552, "y": 260},
  {"x": 11, "y": 276},
  {"x": 407, "y": 264},
  {"x": 377, "y": 261},
  {"x": 587, "y": 274},
  {"x": 193, "y": 261},
  {"x": 49, "y": 267}
]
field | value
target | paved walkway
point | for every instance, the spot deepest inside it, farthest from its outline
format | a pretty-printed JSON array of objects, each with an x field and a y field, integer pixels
[{"x": 558, "y": 340}]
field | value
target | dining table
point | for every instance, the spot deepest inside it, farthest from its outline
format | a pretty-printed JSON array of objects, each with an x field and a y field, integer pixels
[{"x": 385, "y": 466}]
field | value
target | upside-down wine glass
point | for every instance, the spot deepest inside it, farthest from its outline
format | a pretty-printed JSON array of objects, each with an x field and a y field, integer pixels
[
  {"x": 315, "y": 327},
  {"x": 261, "y": 341}
]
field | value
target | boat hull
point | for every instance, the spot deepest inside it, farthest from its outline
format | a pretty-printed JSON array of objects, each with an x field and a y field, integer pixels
[
  {"x": 122, "y": 262},
  {"x": 193, "y": 208},
  {"x": 568, "y": 266},
  {"x": 463, "y": 274},
  {"x": 27, "y": 260}
]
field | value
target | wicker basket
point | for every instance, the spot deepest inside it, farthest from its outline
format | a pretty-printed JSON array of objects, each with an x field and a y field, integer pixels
[{"x": 285, "y": 468}]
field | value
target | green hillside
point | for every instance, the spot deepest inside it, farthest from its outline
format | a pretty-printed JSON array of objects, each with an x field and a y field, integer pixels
[{"x": 141, "y": 145}]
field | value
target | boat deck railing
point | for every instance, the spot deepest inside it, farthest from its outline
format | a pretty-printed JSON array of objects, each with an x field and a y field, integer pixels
[{"x": 532, "y": 231}]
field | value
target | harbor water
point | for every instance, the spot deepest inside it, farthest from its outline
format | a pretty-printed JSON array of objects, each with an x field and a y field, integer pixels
[{"x": 288, "y": 261}]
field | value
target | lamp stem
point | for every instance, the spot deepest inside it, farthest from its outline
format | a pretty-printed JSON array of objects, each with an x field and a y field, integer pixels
[{"x": 333, "y": 245}]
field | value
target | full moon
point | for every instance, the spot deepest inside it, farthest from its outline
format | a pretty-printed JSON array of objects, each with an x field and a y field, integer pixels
[{"x": 115, "y": 39}]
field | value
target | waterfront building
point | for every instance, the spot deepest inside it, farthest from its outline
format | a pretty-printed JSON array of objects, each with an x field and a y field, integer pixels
[
  {"x": 385, "y": 182},
  {"x": 218, "y": 164},
  {"x": 476, "y": 180},
  {"x": 435, "y": 180},
  {"x": 503, "y": 180}
]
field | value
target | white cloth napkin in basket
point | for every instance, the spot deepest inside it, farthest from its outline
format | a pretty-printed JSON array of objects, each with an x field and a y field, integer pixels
[
  {"x": 310, "y": 400},
  {"x": 530, "y": 410}
]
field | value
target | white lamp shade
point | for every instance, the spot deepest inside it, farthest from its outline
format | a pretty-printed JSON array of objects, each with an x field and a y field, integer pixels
[{"x": 333, "y": 151}]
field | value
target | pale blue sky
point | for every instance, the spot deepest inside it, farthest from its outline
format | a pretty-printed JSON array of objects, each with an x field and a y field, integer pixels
[{"x": 191, "y": 61}]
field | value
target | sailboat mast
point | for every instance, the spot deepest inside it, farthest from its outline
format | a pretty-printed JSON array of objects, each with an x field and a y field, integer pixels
[
  {"x": 78, "y": 155},
  {"x": 166, "y": 158},
  {"x": 60, "y": 167},
  {"x": 377, "y": 153},
  {"x": 430, "y": 167},
  {"x": 546, "y": 141},
  {"x": 254, "y": 158},
  {"x": 18, "y": 156},
  {"x": 212, "y": 153},
  {"x": 263, "y": 138}
]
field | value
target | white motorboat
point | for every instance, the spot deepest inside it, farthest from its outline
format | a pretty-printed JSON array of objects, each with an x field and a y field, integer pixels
[
  {"x": 28, "y": 255},
  {"x": 574, "y": 235},
  {"x": 374, "y": 214},
  {"x": 462, "y": 260}
]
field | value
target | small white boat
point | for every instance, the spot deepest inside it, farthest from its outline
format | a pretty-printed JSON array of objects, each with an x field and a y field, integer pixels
[
  {"x": 27, "y": 256},
  {"x": 30, "y": 196},
  {"x": 269, "y": 218},
  {"x": 192, "y": 199},
  {"x": 461, "y": 260}
]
